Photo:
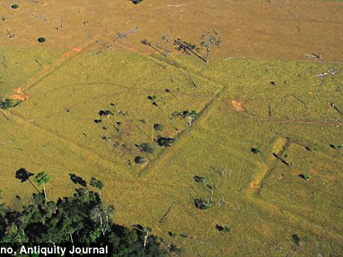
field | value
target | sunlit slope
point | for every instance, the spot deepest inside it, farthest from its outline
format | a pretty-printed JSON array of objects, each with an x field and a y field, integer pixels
[
  {"x": 19, "y": 64},
  {"x": 263, "y": 213},
  {"x": 261, "y": 124}
]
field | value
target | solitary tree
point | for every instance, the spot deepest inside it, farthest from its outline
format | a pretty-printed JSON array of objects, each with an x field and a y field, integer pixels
[
  {"x": 166, "y": 40},
  {"x": 41, "y": 179},
  {"x": 209, "y": 39},
  {"x": 187, "y": 48},
  {"x": 188, "y": 116}
]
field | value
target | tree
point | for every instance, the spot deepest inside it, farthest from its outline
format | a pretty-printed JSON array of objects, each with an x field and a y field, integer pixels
[
  {"x": 166, "y": 40},
  {"x": 6, "y": 103},
  {"x": 97, "y": 184},
  {"x": 165, "y": 141},
  {"x": 136, "y": 1},
  {"x": 41, "y": 179},
  {"x": 209, "y": 39},
  {"x": 187, "y": 115},
  {"x": 147, "y": 148},
  {"x": 140, "y": 160},
  {"x": 187, "y": 48}
]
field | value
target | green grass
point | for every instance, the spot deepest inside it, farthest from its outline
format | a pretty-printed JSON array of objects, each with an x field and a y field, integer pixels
[
  {"x": 19, "y": 64},
  {"x": 262, "y": 201}
]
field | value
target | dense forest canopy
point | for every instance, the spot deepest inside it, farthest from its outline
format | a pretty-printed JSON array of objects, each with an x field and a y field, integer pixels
[{"x": 81, "y": 219}]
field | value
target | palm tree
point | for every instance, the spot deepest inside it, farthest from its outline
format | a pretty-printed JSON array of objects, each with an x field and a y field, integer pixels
[
  {"x": 209, "y": 39},
  {"x": 41, "y": 179}
]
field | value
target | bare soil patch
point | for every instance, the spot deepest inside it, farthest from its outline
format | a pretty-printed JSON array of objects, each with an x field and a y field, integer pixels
[{"x": 238, "y": 106}]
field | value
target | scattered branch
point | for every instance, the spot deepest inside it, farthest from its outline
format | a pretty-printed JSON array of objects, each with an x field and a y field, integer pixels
[
  {"x": 331, "y": 72},
  {"x": 166, "y": 213},
  {"x": 3, "y": 114},
  {"x": 39, "y": 18},
  {"x": 338, "y": 110},
  {"x": 269, "y": 110},
  {"x": 10, "y": 35},
  {"x": 147, "y": 43},
  {"x": 4, "y": 61},
  {"x": 38, "y": 62},
  {"x": 60, "y": 26},
  {"x": 301, "y": 101},
  {"x": 317, "y": 56},
  {"x": 123, "y": 35}
]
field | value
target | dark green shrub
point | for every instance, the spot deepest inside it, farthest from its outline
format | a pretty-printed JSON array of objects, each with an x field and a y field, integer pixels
[
  {"x": 41, "y": 39},
  {"x": 152, "y": 97},
  {"x": 305, "y": 176},
  {"x": 296, "y": 239},
  {"x": 336, "y": 146},
  {"x": 189, "y": 116},
  {"x": 147, "y": 148},
  {"x": 198, "y": 179},
  {"x": 165, "y": 141},
  {"x": 223, "y": 229},
  {"x": 158, "y": 127},
  {"x": 255, "y": 150},
  {"x": 6, "y": 103},
  {"x": 203, "y": 204},
  {"x": 96, "y": 183},
  {"x": 105, "y": 113},
  {"x": 187, "y": 113},
  {"x": 140, "y": 160}
]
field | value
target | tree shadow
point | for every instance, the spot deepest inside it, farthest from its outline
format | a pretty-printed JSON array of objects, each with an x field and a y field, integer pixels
[{"x": 78, "y": 180}]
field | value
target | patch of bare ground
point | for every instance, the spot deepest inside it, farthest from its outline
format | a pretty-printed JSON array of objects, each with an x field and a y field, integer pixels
[{"x": 238, "y": 105}]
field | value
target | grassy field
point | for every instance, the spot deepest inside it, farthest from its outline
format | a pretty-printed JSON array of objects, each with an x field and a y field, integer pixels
[{"x": 265, "y": 150}]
